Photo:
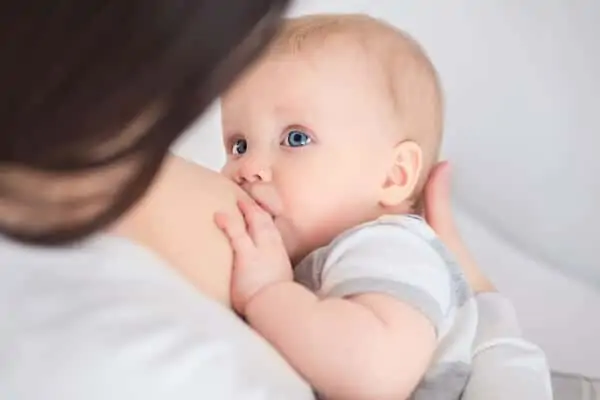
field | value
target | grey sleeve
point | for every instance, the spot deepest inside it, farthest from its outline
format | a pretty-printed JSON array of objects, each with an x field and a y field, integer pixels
[
  {"x": 388, "y": 259},
  {"x": 416, "y": 297}
]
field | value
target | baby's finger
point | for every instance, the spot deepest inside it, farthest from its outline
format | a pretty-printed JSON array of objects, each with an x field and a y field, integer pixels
[
  {"x": 261, "y": 228},
  {"x": 241, "y": 242}
]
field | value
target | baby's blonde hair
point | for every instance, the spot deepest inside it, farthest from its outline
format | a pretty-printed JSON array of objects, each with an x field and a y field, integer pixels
[{"x": 411, "y": 77}]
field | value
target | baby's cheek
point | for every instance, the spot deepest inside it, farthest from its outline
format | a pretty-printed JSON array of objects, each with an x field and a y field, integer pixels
[
  {"x": 302, "y": 233},
  {"x": 314, "y": 214},
  {"x": 228, "y": 171}
]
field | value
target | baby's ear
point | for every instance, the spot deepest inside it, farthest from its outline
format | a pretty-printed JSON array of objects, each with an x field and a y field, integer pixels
[{"x": 403, "y": 175}]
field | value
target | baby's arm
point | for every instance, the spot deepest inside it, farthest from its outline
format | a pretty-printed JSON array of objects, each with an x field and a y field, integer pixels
[
  {"x": 369, "y": 346},
  {"x": 348, "y": 345}
]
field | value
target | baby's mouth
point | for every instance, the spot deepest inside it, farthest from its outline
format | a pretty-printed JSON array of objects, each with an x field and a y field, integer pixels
[
  {"x": 266, "y": 197},
  {"x": 266, "y": 208}
]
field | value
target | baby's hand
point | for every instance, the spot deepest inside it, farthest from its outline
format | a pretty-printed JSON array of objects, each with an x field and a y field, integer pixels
[{"x": 260, "y": 259}]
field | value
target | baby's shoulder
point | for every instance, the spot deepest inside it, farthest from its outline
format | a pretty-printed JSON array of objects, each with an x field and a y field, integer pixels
[
  {"x": 383, "y": 246},
  {"x": 396, "y": 226},
  {"x": 404, "y": 230}
]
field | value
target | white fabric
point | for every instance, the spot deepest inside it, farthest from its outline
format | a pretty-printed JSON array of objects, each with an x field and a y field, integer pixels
[
  {"x": 505, "y": 366},
  {"x": 107, "y": 320}
]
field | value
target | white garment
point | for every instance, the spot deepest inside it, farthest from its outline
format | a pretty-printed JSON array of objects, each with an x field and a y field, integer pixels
[
  {"x": 505, "y": 366},
  {"x": 107, "y": 320}
]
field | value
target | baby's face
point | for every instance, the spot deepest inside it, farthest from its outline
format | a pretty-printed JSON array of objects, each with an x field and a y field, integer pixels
[{"x": 311, "y": 132}]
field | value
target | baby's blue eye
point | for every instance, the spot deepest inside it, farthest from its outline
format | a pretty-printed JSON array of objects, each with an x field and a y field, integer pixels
[
  {"x": 296, "y": 138},
  {"x": 239, "y": 147}
]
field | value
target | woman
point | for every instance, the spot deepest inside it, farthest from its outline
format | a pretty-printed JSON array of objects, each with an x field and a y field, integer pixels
[{"x": 93, "y": 95}]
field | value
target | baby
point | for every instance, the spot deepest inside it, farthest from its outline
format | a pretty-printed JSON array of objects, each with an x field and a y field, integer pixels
[{"x": 333, "y": 133}]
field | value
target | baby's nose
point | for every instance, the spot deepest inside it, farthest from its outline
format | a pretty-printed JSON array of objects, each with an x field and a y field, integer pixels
[{"x": 254, "y": 170}]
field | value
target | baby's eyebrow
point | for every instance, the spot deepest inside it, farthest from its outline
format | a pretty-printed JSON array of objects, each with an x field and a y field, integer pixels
[
  {"x": 282, "y": 109},
  {"x": 294, "y": 115}
]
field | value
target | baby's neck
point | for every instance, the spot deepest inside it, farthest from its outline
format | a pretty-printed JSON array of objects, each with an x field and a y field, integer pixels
[
  {"x": 338, "y": 227},
  {"x": 401, "y": 209}
]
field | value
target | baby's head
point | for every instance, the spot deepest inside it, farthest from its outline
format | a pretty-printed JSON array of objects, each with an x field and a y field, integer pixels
[{"x": 342, "y": 119}]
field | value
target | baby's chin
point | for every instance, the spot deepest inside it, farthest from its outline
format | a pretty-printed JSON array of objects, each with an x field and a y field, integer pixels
[
  {"x": 290, "y": 242},
  {"x": 294, "y": 247}
]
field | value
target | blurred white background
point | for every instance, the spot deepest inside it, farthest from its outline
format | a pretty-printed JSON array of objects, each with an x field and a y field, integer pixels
[{"x": 522, "y": 130}]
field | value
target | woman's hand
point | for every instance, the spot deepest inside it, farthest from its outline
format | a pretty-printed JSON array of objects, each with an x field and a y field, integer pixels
[{"x": 438, "y": 213}]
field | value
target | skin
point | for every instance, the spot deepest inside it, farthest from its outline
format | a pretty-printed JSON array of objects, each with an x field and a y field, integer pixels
[
  {"x": 438, "y": 212},
  {"x": 177, "y": 183},
  {"x": 175, "y": 220},
  {"x": 348, "y": 171},
  {"x": 354, "y": 169}
]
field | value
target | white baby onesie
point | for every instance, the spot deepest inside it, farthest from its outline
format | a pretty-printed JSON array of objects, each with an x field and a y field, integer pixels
[{"x": 402, "y": 257}]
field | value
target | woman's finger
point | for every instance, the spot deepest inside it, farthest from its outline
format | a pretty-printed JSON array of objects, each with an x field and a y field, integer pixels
[
  {"x": 438, "y": 208},
  {"x": 438, "y": 213},
  {"x": 241, "y": 242}
]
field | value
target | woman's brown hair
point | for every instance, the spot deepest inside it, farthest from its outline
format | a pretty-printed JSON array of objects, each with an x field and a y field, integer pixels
[{"x": 92, "y": 94}]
